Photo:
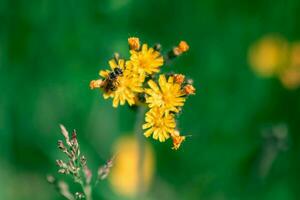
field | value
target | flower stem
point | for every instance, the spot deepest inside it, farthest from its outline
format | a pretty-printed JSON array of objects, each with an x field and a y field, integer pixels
[
  {"x": 88, "y": 192},
  {"x": 141, "y": 150}
]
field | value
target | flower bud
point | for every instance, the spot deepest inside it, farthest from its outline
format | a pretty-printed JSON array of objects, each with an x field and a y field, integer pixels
[
  {"x": 189, "y": 89},
  {"x": 95, "y": 84},
  {"x": 179, "y": 78},
  {"x": 177, "y": 140},
  {"x": 134, "y": 43},
  {"x": 183, "y": 46}
]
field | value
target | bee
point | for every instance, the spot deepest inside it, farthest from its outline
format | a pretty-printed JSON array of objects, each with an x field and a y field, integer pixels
[{"x": 110, "y": 83}]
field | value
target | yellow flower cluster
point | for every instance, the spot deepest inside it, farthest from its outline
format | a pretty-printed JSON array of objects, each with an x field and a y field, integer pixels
[
  {"x": 137, "y": 82},
  {"x": 273, "y": 55}
]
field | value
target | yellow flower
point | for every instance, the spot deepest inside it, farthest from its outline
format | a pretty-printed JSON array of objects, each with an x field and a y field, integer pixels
[
  {"x": 159, "y": 123},
  {"x": 128, "y": 85},
  {"x": 177, "y": 140},
  {"x": 168, "y": 96},
  {"x": 147, "y": 61}
]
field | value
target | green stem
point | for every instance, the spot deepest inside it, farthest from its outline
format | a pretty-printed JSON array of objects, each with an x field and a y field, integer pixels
[
  {"x": 87, "y": 190},
  {"x": 141, "y": 150}
]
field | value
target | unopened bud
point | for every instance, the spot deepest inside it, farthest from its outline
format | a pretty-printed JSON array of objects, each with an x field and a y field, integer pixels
[
  {"x": 176, "y": 51},
  {"x": 134, "y": 43},
  {"x": 183, "y": 46},
  {"x": 179, "y": 78},
  {"x": 177, "y": 139},
  {"x": 189, "y": 89},
  {"x": 95, "y": 84}
]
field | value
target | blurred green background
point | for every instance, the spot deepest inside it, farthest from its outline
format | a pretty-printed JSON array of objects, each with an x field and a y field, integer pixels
[{"x": 50, "y": 50}]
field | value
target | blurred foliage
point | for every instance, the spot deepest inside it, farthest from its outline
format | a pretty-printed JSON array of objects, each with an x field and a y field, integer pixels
[{"x": 50, "y": 50}]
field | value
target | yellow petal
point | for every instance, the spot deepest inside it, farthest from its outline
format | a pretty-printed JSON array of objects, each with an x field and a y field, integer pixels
[
  {"x": 144, "y": 48},
  {"x": 153, "y": 85},
  {"x": 147, "y": 125},
  {"x": 148, "y": 132},
  {"x": 103, "y": 73},
  {"x": 162, "y": 80},
  {"x": 112, "y": 63}
]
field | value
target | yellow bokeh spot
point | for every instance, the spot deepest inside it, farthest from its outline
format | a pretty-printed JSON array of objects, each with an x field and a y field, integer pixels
[
  {"x": 290, "y": 76},
  {"x": 124, "y": 176},
  {"x": 268, "y": 55}
]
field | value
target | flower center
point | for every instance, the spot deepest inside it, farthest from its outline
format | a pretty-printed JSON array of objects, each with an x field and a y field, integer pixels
[
  {"x": 143, "y": 62},
  {"x": 159, "y": 123}
]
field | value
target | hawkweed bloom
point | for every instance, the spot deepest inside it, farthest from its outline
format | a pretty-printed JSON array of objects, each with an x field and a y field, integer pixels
[
  {"x": 168, "y": 96},
  {"x": 120, "y": 87},
  {"x": 159, "y": 124},
  {"x": 146, "y": 61},
  {"x": 137, "y": 81}
]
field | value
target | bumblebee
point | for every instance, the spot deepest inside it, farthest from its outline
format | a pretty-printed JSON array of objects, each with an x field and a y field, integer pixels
[{"x": 110, "y": 83}]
